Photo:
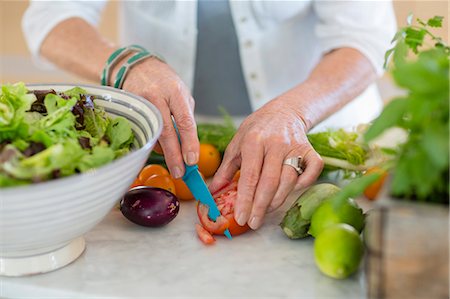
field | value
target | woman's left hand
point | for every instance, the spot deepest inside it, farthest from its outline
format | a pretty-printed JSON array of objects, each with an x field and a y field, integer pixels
[{"x": 262, "y": 143}]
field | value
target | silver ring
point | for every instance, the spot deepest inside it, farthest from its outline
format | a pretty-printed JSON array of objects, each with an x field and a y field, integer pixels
[{"x": 296, "y": 163}]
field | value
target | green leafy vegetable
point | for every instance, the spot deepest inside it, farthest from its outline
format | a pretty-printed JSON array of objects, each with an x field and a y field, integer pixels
[
  {"x": 14, "y": 102},
  {"x": 119, "y": 133},
  {"x": 45, "y": 134},
  {"x": 341, "y": 150},
  {"x": 421, "y": 164},
  {"x": 218, "y": 135}
]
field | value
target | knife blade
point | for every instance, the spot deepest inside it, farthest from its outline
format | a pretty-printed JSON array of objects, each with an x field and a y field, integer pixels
[{"x": 198, "y": 188}]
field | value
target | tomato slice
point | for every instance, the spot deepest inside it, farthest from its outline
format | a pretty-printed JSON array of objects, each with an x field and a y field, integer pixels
[
  {"x": 231, "y": 186},
  {"x": 217, "y": 227},
  {"x": 224, "y": 199},
  {"x": 204, "y": 235}
]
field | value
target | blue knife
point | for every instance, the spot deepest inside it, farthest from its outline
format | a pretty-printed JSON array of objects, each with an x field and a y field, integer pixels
[{"x": 198, "y": 188}]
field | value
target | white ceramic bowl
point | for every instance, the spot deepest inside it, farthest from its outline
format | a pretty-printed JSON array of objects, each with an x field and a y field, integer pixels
[{"x": 41, "y": 225}]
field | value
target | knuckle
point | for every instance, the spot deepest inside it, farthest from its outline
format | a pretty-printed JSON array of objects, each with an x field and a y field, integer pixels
[
  {"x": 167, "y": 131},
  {"x": 250, "y": 181},
  {"x": 186, "y": 122}
]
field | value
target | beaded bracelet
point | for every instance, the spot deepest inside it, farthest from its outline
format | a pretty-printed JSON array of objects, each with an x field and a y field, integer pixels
[{"x": 115, "y": 57}]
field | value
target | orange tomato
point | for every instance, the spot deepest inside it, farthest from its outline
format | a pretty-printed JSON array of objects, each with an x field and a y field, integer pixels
[
  {"x": 209, "y": 159},
  {"x": 182, "y": 189},
  {"x": 151, "y": 170},
  {"x": 161, "y": 181},
  {"x": 136, "y": 183},
  {"x": 371, "y": 192}
]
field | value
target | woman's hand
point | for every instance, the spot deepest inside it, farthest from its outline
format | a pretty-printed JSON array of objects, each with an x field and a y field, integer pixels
[
  {"x": 262, "y": 143},
  {"x": 152, "y": 79},
  {"x": 159, "y": 84}
]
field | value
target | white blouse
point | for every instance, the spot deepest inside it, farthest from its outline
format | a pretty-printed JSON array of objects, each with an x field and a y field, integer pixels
[{"x": 280, "y": 42}]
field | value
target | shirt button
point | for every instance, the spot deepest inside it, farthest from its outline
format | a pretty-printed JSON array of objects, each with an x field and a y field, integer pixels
[
  {"x": 258, "y": 95},
  {"x": 243, "y": 19},
  {"x": 253, "y": 76},
  {"x": 248, "y": 44}
]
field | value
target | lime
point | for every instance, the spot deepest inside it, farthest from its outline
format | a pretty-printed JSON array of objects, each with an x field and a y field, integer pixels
[
  {"x": 338, "y": 250},
  {"x": 326, "y": 215}
]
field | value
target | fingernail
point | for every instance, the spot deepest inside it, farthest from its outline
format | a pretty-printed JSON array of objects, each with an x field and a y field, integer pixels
[
  {"x": 254, "y": 222},
  {"x": 191, "y": 158},
  {"x": 176, "y": 172},
  {"x": 240, "y": 219}
]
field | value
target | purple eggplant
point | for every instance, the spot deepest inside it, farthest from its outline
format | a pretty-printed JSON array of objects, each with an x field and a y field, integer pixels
[{"x": 149, "y": 206}]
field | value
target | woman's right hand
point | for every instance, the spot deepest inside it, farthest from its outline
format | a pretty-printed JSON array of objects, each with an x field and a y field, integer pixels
[
  {"x": 159, "y": 84},
  {"x": 151, "y": 78}
]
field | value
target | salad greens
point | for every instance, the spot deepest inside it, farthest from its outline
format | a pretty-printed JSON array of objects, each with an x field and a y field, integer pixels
[{"x": 46, "y": 134}]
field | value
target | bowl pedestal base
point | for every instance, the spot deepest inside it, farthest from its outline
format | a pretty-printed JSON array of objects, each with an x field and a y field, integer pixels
[{"x": 43, "y": 262}]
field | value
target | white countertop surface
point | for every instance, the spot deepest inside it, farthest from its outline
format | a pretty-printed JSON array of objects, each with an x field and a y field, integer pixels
[{"x": 124, "y": 260}]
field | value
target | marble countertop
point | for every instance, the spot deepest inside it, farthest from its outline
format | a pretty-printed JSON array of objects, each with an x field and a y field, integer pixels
[{"x": 124, "y": 260}]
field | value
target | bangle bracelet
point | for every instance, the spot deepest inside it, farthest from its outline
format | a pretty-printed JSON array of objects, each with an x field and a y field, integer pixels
[
  {"x": 114, "y": 58},
  {"x": 120, "y": 77}
]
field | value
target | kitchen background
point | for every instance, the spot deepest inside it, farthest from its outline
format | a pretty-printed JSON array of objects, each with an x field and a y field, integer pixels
[{"x": 16, "y": 63}]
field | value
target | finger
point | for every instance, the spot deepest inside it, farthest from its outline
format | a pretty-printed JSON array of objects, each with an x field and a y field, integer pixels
[
  {"x": 158, "y": 148},
  {"x": 184, "y": 118},
  {"x": 313, "y": 165},
  {"x": 170, "y": 144},
  {"x": 288, "y": 179},
  {"x": 267, "y": 186},
  {"x": 252, "y": 159},
  {"x": 227, "y": 169}
]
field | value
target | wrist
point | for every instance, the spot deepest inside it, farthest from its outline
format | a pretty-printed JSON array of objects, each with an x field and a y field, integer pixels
[
  {"x": 120, "y": 63},
  {"x": 302, "y": 100}
]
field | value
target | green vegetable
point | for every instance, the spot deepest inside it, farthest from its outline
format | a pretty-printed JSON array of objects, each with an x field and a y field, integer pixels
[
  {"x": 119, "y": 133},
  {"x": 57, "y": 134},
  {"x": 421, "y": 165},
  {"x": 218, "y": 135},
  {"x": 14, "y": 102},
  {"x": 296, "y": 222},
  {"x": 341, "y": 149}
]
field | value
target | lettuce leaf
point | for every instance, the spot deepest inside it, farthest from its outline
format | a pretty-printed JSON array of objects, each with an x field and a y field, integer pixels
[
  {"x": 14, "y": 102},
  {"x": 119, "y": 133}
]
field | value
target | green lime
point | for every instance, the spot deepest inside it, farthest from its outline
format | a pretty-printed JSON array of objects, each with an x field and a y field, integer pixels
[
  {"x": 338, "y": 250},
  {"x": 326, "y": 215}
]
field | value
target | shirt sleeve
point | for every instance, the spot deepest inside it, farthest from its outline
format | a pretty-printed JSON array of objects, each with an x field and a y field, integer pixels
[
  {"x": 367, "y": 26},
  {"x": 42, "y": 16}
]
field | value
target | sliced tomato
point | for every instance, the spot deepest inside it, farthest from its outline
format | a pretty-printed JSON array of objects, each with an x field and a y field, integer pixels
[
  {"x": 225, "y": 199},
  {"x": 204, "y": 235},
  {"x": 231, "y": 186},
  {"x": 217, "y": 227}
]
